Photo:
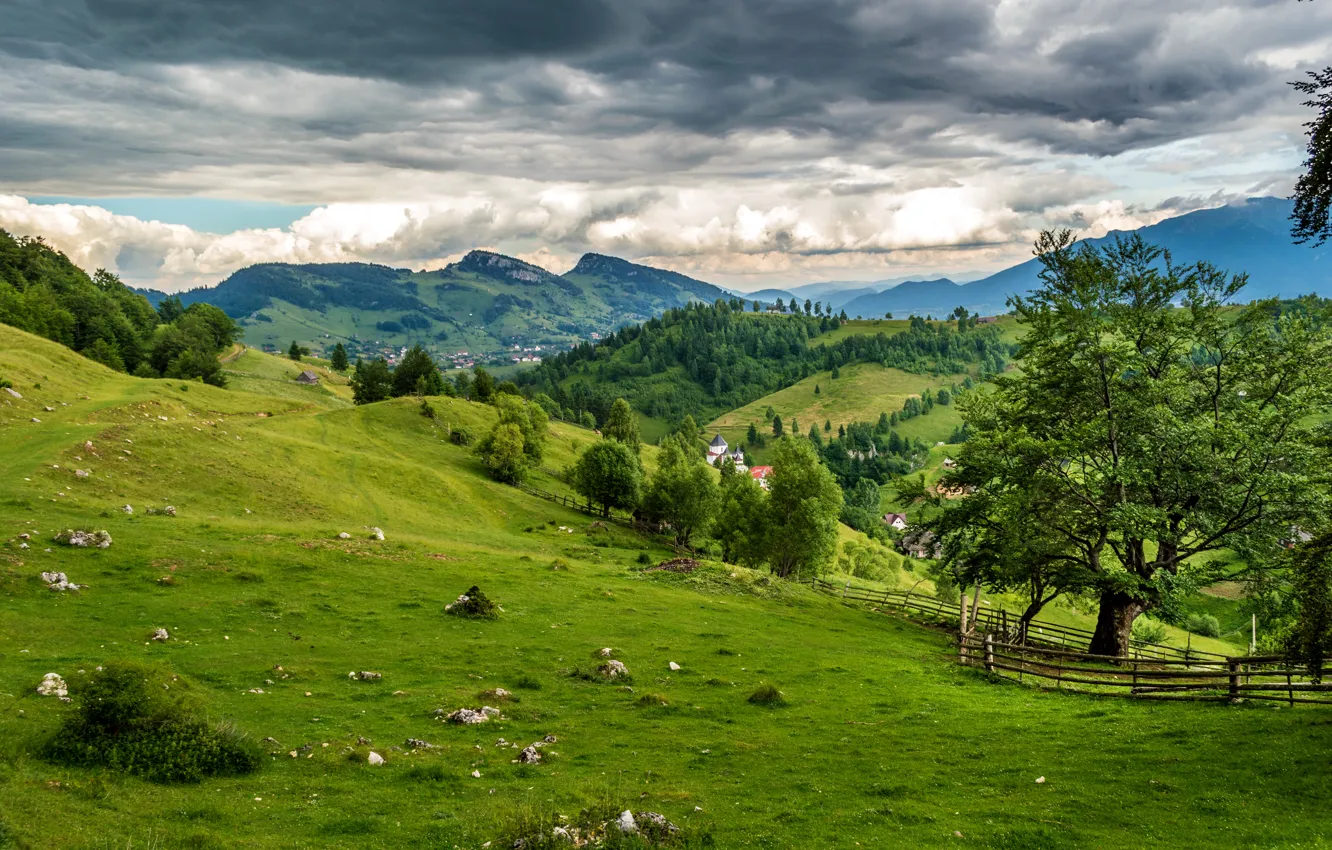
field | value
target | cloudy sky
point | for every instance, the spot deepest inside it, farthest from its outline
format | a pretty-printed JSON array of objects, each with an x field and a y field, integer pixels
[{"x": 750, "y": 143}]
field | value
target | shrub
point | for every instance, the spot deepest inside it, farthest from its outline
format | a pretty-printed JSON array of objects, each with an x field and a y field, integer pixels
[
  {"x": 1149, "y": 631},
  {"x": 527, "y": 683},
  {"x": 644, "y": 558},
  {"x": 473, "y": 604},
  {"x": 1203, "y": 624},
  {"x": 652, "y": 699},
  {"x": 5, "y": 383},
  {"x": 767, "y": 695},
  {"x": 143, "y": 720},
  {"x": 427, "y": 409},
  {"x": 460, "y": 437}
]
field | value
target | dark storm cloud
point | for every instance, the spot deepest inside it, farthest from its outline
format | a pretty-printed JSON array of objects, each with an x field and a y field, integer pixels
[{"x": 711, "y": 66}]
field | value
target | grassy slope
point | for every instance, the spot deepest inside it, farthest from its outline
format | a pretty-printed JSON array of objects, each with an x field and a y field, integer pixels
[{"x": 885, "y": 742}]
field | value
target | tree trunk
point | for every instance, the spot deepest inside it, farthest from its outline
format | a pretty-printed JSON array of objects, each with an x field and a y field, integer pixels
[{"x": 1114, "y": 623}]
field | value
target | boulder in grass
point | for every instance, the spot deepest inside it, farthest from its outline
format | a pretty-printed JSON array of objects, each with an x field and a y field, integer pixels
[
  {"x": 13, "y": 393},
  {"x": 473, "y": 604},
  {"x": 59, "y": 581},
  {"x": 98, "y": 539},
  {"x": 53, "y": 685},
  {"x": 625, "y": 822},
  {"x": 530, "y": 755},
  {"x": 375, "y": 759},
  {"x": 655, "y": 826},
  {"x": 365, "y": 676},
  {"x": 342, "y": 535},
  {"x": 613, "y": 669},
  {"x": 377, "y": 533},
  {"x": 161, "y": 635},
  {"x": 129, "y": 509},
  {"x": 467, "y": 717}
]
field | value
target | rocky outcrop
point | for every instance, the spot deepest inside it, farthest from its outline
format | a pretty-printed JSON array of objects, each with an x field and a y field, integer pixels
[
  {"x": 53, "y": 685},
  {"x": 365, "y": 676},
  {"x": 59, "y": 581},
  {"x": 98, "y": 539}
]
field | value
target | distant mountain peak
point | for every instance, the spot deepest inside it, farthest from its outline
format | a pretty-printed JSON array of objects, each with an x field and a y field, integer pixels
[
  {"x": 490, "y": 263},
  {"x": 592, "y": 263}
]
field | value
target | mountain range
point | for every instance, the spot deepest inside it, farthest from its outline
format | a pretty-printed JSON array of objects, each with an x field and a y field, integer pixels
[{"x": 488, "y": 303}]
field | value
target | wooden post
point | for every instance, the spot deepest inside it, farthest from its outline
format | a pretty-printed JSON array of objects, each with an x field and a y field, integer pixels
[
  {"x": 1003, "y": 619},
  {"x": 1253, "y": 635},
  {"x": 1290, "y": 689},
  {"x": 1233, "y": 667},
  {"x": 989, "y": 653},
  {"x": 1135, "y": 676}
]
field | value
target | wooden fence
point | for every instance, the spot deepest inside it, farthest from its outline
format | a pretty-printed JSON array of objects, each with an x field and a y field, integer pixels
[
  {"x": 1258, "y": 677},
  {"x": 1004, "y": 624}
]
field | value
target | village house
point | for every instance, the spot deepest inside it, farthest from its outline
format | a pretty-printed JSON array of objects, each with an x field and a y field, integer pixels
[
  {"x": 716, "y": 449},
  {"x": 921, "y": 543},
  {"x": 307, "y": 377},
  {"x": 897, "y": 521},
  {"x": 949, "y": 463},
  {"x": 760, "y": 474}
]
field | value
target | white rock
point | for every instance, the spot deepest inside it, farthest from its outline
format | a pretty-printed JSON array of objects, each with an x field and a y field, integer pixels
[
  {"x": 81, "y": 473},
  {"x": 70, "y": 537},
  {"x": 365, "y": 676},
  {"x": 161, "y": 635},
  {"x": 13, "y": 392},
  {"x": 377, "y": 533},
  {"x": 59, "y": 581},
  {"x": 49, "y": 409},
  {"x": 606, "y": 652},
  {"x": 613, "y": 669},
  {"x": 500, "y": 692},
  {"x": 476, "y": 774},
  {"x": 53, "y": 686},
  {"x": 1040, "y": 780},
  {"x": 342, "y": 535},
  {"x": 129, "y": 509},
  {"x": 625, "y": 822},
  {"x": 169, "y": 510},
  {"x": 675, "y": 666},
  {"x": 467, "y": 716},
  {"x": 530, "y": 755},
  {"x": 375, "y": 759},
  {"x": 35, "y": 419}
]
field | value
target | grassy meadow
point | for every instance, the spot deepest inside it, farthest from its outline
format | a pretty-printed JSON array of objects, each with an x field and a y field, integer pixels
[{"x": 883, "y": 740}]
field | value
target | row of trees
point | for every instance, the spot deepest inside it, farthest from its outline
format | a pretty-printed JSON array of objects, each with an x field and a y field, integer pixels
[{"x": 42, "y": 292}]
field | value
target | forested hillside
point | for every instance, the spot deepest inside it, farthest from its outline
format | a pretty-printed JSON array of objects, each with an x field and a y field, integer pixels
[
  {"x": 42, "y": 292},
  {"x": 706, "y": 359}
]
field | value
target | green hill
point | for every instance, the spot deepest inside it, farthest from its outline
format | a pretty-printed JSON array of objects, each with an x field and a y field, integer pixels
[
  {"x": 883, "y": 741},
  {"x": 488, "y": 305}
]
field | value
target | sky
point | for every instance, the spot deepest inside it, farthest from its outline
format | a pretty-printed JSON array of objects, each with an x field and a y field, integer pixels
[{"x": 747, "y": 143}]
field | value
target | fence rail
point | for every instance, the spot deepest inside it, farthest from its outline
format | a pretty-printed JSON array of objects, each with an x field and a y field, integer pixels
[
  {"x": 1006, "y": 624},
  {"x": 1264, "y": 677}
]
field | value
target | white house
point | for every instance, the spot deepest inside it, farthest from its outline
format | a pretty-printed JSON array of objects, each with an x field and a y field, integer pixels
[{"x": 897, "y": 521}]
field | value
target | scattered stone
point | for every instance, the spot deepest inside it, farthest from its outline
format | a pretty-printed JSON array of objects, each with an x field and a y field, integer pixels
[
  {"x": 70, "y": 537},
  {"x": 59, "y": 581},
  {"x": 169, "y": 510},
  {"x": 375, "y": 759},
  {"x": 377, "y": 533},
  {"x": 25, "y": 536},
  {"x": 81, "y": 473},
  {"x": 88, "y": 446},
  {"x": 613, "y": 669},
  {"x": 473, "y": 604},
  {"x": 468, "y": 716},
  {"x": 342, "y": 535},
  {"x": 23, "y": 545},
  {"x": 129, "y": 509},
  {"x": 530, "y": 755},
  {"x": 549, "y": 739},
  {"x": 625, "y": 822},
  {"x": 674, "y": 666},
  {"x": 53, "y": 686},
  {"x": 656, "y": 825},
  {"x": 606, "y": 652},
  {"x": 476, "y": 774},
  {"x": 418, "y": 744},
  {"x": 256, "y": 690},
  {"x": 48, "y": 408},
  {"x": 677, "y": 565},
  {"x": 12, "y": 392},
  {"x": 164, "y": 635},
  {"x": 365, "y": 676},
  {"x": 36, "y": 420},
  {"x": 1040, "y": 780}
]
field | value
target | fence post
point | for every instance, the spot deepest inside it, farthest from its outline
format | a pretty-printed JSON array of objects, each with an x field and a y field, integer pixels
[
  {"x": 1233, "y": 667},
  {"x": 1290, "y": 689},
  {"x": 989, "y": 653},
  {"x": 845, "y": 589}
]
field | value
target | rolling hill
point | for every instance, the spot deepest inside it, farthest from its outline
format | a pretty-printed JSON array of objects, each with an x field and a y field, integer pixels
[
  {"x": 487, "y": 305},
  {"x": 268, "y": 609}
]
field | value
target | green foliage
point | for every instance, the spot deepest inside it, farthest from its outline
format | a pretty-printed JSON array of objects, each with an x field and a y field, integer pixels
[
  {"x": 804, "y": 503},
  {"x": 473, "y": 604},
  {"x": 338, "y": 359},
  {"x": 742, "y": 521},
  {"x": 1147, "y": 630},
  {"x": 371, "y": 381},
  {"x": 1203, "y": 624},
  {"x": 869, "y": 560},
  {"x": 608, "y": 474},
  {"x": 683, "y": 492},
  {"x": 1313, "y": 189},
  {"x": 139, "y": 719},
  {"x": 622, "y": 425},
  {"x": 1310, "y": 640},
  {"x": 417, "y": 373},
  {"x": 295, "y": 351},
  {"x": 482, "y": 387},
  {"x": 530, "y": 419},
  {"x": 504, "y": 453},
  {"x": 767, "y": 696}
]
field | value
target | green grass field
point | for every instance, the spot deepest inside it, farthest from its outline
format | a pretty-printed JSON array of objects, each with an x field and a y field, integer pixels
[{"x": 884, "y": 742}]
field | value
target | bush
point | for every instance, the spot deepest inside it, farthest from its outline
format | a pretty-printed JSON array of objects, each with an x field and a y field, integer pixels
[
  {"x": 767, "y": 695},
  {"x": 1203, "y": 624},
  {"x": 143, "y": 720},
  {"x": 527, "y": 683},
  {"x": 1149, "y": 631},
  {"x": 473, "y": 604},
  {"x": 644, "y": 558},
  {"x": 460, "y": 437},
  {"x": 427, "y": 409}
]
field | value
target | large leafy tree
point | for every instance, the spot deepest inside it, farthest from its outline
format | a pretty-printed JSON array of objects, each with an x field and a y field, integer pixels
[
  {"x": 741, "y": 526},
  {"x": 608, "y": 474},
  {"x": 503, "y": 453},
  {"x": 1156, "y": 424},
  {"x": 529, "y": 418},
  {"x": 683, "y": 492},
  {"x": 803, "y": 504}
]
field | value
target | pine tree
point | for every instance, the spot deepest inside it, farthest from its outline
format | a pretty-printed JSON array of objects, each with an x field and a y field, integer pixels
[
  {"x": 776, "y": 426},
  {"x": 295, "y": 351},
  {"x": 622, "y": 425},
  {"x": 816, "y": 389},
  {"x": 339, "y": 358}
]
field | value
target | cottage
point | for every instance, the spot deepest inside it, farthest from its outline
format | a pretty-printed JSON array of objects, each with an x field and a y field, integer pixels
[
  {"x": 949, "y": 463},
  {"x": 760, "y": 474},
  {"x": 897, "y": 521},
  {"x": 921, "y": 543},
  {"x": 716, "y": 449},
  {"x": 307, "y": 377}
]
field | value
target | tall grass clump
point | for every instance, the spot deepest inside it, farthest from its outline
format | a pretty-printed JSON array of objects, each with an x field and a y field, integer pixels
[
  {"x": 142, "y": 720},
  {"x": 767, "y": 695}
]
